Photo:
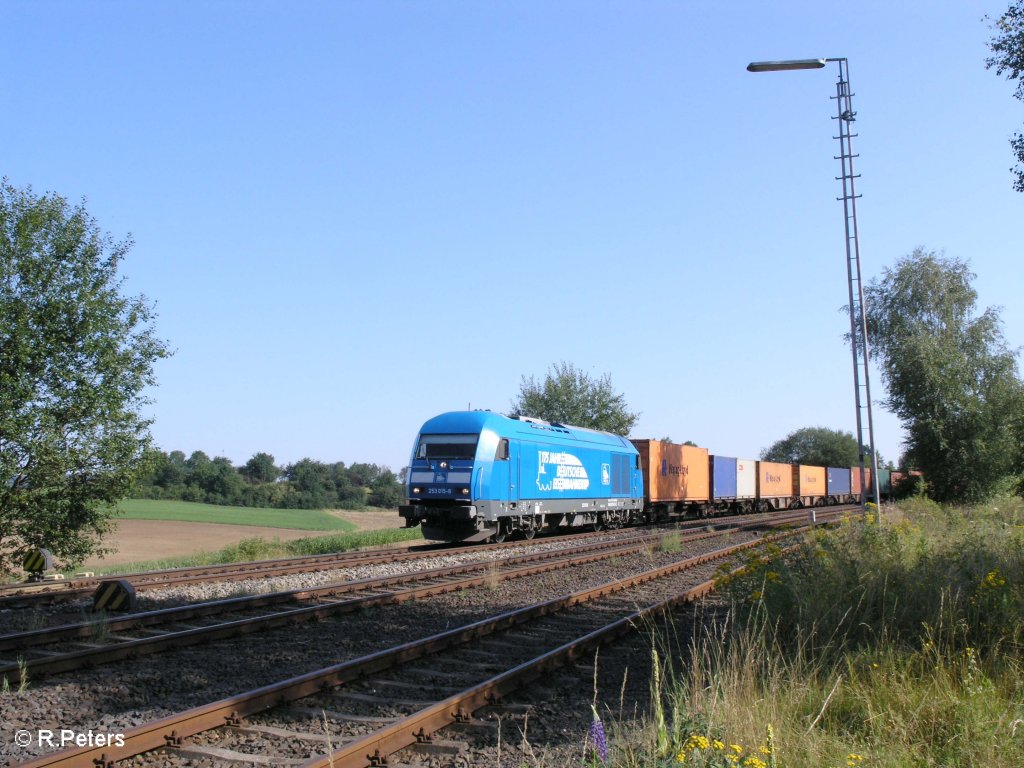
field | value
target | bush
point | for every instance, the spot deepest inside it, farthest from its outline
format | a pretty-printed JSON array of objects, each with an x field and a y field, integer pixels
[
  {"x": 894, "y": 645},
  {"x": 954, "y": 575}
]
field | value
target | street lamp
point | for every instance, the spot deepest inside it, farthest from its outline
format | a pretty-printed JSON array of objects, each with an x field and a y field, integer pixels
[{"x": 858, "y": 317}]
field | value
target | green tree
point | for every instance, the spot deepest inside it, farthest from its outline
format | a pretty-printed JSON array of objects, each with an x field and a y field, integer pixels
[
  {"x": 260, "y": 469},
  {"x": 950, "y": 377},
  {"x": 570, "y": 396},
  {"x": 75, "y": 357},
  {"x": 818, "y": 446},
  {"x": 1008, "y": 48},
  {"x": 386, "y": 490}
]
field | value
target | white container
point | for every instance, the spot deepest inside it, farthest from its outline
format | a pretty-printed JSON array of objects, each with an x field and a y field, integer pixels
[{"x": 746, "y": 478}]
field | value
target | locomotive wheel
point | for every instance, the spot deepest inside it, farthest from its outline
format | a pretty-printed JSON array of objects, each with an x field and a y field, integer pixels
[
  {"x": 501, "y": 534},
  {"x": 529, "y": 532}
]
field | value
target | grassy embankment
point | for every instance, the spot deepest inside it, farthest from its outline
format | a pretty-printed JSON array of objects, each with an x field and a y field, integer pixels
[
  {"x": 345, "y": 536},
  {"x": 896, "y": 645},
  {"x": 190, "y": 512}
]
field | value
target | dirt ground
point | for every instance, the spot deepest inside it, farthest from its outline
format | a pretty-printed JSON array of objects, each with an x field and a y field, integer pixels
[{"x": 140, "y": 540}]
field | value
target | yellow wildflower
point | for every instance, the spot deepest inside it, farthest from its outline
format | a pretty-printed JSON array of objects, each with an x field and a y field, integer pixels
[
  {"x": 718, "y": 745},
  {"x": 697, "y": 742},
  {"x": 680, "y": 756},
  {"x": 736, "y": 748},
  {"x": 764, "y": 750},
  {"x": 754, "y": 762},
  {"x": 993, "y": 580},
  {"x": 755, "y": 595}
]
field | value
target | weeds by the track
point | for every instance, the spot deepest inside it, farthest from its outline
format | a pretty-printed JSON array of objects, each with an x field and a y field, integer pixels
[
  {"x": 5, "y": 686},
  {"x": 892, "y": 645}
]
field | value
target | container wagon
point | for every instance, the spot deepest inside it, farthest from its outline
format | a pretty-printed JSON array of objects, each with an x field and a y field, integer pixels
[
  {"x": 811, "y": 491},
  {"x": 838, "y": 484},
  {"x": 776, "y": 486},
  {"x": 675, "y": 478}
]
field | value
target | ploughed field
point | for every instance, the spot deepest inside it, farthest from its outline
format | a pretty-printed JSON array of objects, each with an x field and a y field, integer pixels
[{"x": 123, "y": 695}]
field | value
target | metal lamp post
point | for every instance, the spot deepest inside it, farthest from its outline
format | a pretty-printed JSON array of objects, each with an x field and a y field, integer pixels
[{"x": 858, "y": 317}]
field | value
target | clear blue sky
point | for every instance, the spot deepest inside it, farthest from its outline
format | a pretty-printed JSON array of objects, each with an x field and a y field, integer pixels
[{"x": 355, "y": 215}]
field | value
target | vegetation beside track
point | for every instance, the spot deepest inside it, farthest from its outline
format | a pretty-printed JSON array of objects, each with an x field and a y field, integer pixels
[
  {"x": 890, "y": 645},
  {"x": 257, "y": 548},
  {"x": 193, "y": 512}
]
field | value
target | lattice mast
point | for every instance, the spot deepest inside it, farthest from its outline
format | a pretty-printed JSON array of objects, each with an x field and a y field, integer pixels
[{"x": 859, "y": 346}]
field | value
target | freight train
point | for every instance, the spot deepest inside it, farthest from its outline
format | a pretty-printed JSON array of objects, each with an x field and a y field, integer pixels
[{"x": 481, "y": 476}]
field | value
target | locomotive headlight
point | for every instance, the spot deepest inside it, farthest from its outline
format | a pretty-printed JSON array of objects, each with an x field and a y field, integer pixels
[
  {"x": 416, "y": 490},
  {"x": 465, "y": 491}
]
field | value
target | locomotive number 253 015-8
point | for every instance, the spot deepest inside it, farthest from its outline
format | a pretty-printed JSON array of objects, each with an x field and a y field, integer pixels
[{"x": 447, "y": 491}]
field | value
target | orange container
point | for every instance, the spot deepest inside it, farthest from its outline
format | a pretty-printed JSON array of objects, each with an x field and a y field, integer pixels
[
  {"x": 896, "y": 478},
  {"x": 812, "y": 481},
  {"x": 774, "y": 480},
  {"x": 673, "y": 472}
]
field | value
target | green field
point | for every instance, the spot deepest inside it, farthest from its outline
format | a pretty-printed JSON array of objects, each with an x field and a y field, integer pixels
[{"x": 190, "y": 512}]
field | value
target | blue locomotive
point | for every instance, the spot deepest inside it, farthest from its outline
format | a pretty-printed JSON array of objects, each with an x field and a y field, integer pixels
[{"x": 478, "y": 475}]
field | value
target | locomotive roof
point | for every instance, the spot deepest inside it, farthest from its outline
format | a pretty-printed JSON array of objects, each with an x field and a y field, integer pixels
[{"x": 471, "y": 422}]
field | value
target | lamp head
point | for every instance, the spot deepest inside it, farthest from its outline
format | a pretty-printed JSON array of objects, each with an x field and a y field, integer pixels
[{"x": 784, "y": 66}]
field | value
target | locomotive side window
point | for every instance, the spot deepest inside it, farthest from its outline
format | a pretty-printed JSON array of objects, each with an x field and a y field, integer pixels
[
  {"x": 502, "y": 453},
  {"x": 447, "y": 447}
]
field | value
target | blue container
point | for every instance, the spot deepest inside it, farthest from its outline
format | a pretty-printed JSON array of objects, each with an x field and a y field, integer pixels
[
  {"x": 838, "y": 482},
  {"x": 723, "y": 477}
]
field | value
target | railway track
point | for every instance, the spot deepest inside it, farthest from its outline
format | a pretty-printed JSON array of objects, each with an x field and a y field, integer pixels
[
  {"x": 40, "y": 593},
  {"x": 64, "y": 648},
  {"x": 32, "y": 594},
  {"x": 381, "y": 700},
  {"x": 369, "y": 708}
]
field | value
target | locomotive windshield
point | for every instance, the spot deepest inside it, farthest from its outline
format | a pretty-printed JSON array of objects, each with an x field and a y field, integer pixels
[{"x": 446, "y": 447}]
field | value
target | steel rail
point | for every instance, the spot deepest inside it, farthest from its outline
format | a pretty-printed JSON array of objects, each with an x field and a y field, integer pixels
[
  {"x": 23, "y": 594},
  {"x": 527, "y": 565},
  {"x": 171, "y": 730},
  {"x": 27, "y": 640}
]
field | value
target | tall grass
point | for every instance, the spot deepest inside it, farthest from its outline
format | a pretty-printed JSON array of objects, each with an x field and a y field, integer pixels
[{"x": 893, "y": 645}]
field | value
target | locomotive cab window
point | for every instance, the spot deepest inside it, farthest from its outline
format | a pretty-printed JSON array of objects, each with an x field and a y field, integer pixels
[
  {"x": 447, "y": 447},
  {"x": 502, "y": 453}
]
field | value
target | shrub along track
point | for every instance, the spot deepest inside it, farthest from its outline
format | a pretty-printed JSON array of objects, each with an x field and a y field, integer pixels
[
  {"x": 351, "y": 720},
  {"x": 109, "y": 639}
]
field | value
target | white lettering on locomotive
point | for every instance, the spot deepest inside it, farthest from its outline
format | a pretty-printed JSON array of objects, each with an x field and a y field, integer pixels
[{"x": 569, "y": 472}]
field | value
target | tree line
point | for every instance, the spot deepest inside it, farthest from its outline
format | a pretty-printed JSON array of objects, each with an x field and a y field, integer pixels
[{"x": 306, "y": 484}]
